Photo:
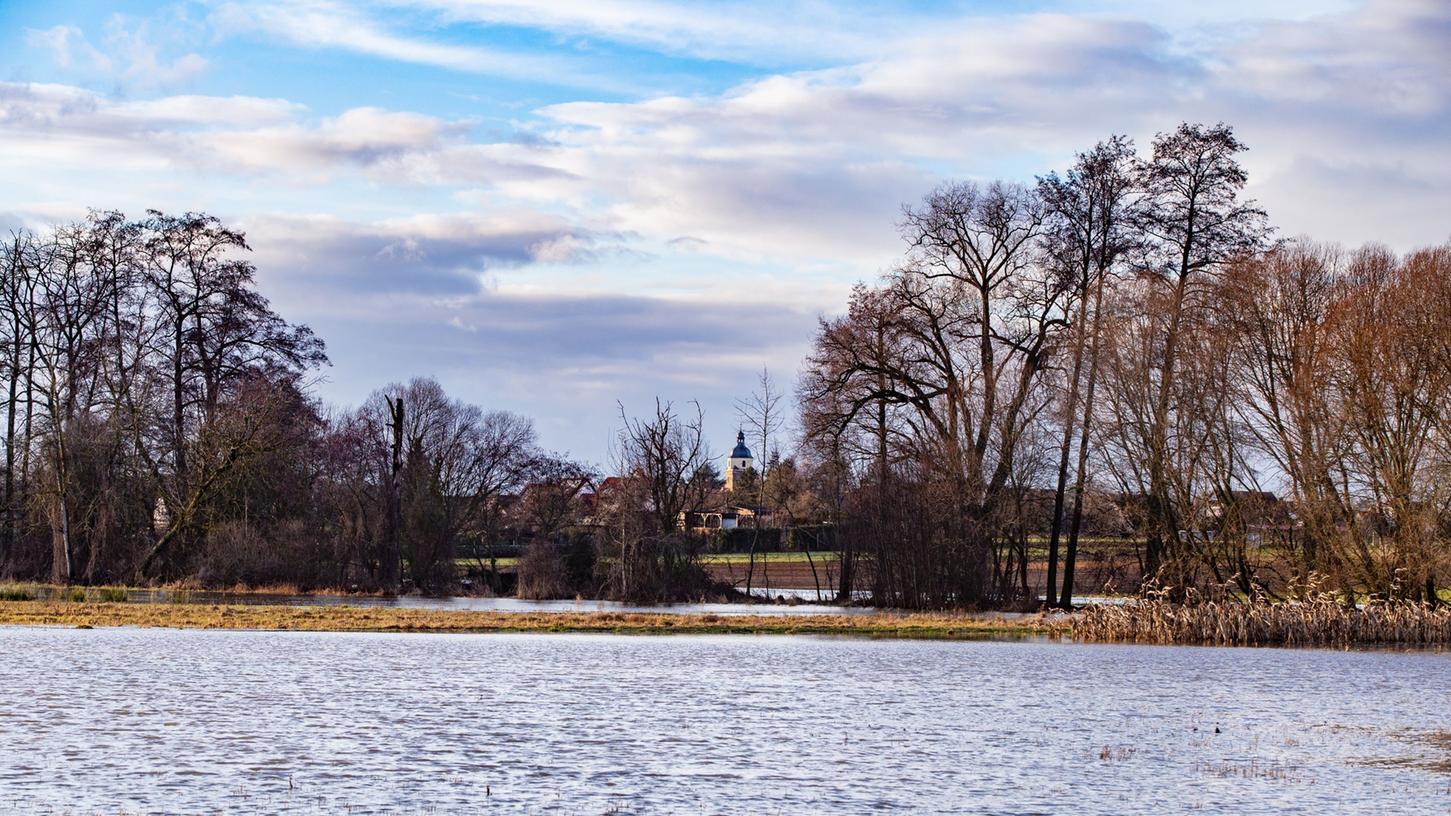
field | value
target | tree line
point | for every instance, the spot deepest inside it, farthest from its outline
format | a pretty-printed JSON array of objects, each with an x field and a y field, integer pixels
[
  {"x": 1265, "y": 414},
  {"x": 1121, "y": 350},
  {"x": 160, "y": 426}
]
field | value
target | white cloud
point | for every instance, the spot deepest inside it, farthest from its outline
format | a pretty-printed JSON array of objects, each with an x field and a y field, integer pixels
[
  {"x": 781, "y": 190},
  {"x": 207, "y": 111},
  {"x": 331, "y": 25},
  {"x": 130, "y": 54},
  {"x": 772, "y": 33},
  {"x": 815, "y": 163},
  {"x": 431, "y": 258},
  {"x": 67, "y": 45},
  {"x": 242, "y": 134}
]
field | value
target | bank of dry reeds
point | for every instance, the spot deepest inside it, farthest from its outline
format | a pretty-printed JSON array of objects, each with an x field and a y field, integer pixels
[{"x": 1317, "y": 620}]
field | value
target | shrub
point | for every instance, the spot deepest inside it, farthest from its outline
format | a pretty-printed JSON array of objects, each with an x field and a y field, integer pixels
[
  {"x": 237, "y": 553},
  {"x": 657, "y": 569},
  {"x": 16, "y": 593},
  {"x": 556, "y": 569},
  {"x": 739, "y": 539}
]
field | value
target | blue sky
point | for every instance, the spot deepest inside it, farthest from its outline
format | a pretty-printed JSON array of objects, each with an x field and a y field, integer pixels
[{"x": 552, "y": 207}]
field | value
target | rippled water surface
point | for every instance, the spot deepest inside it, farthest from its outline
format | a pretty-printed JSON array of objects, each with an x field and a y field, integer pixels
[{"x": 140, "y": 721}]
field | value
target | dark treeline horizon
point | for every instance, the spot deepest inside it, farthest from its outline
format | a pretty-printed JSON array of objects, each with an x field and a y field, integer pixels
[{"x": 1121, "y": 349}]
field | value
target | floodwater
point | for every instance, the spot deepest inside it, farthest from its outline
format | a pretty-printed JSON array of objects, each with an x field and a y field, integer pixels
[
  {"x": 141, "y": 721},
  {"x": 795, "y": 603}
]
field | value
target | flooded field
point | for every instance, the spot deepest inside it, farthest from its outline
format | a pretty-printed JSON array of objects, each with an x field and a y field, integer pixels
[
  {"x": 797, "y": 602},
  {"x": 168, "y": 721}
]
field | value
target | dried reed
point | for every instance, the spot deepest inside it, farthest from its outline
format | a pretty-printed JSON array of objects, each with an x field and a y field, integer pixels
[{"x": 1315, "y": 619}]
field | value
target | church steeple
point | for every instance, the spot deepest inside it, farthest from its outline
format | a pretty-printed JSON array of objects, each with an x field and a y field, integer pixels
[{"x": 739, "y": 462}]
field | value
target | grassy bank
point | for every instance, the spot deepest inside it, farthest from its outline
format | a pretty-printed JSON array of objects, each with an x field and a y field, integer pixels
[
  {"x": 1317, "y": 622},
  {"x": 387, "y": 619}
]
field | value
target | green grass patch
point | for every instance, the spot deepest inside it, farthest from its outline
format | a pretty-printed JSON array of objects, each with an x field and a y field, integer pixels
[
  {"x": 790, "y": 557},
  {"x": 16, "y": 593},
  {"x": 502, "y": 563}
]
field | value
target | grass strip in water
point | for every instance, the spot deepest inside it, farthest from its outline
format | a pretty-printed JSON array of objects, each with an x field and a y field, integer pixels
[{"x": 386, "y": 619}]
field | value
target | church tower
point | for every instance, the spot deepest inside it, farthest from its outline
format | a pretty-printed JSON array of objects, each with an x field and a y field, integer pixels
[{"x": 739, "y": 462}]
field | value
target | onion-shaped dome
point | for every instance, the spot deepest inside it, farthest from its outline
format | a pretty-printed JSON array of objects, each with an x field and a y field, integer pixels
[{"x": 741, "y": 451}]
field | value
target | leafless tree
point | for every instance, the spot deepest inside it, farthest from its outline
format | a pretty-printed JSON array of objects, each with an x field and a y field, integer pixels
[
  {"x": 763, "y": 415},
  {"x": 661, "y": 456},
  {"x": 1193, "y": 223},
  {"x": 1090, "y": 210}
]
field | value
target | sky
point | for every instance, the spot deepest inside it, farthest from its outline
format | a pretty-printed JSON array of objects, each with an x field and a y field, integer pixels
[{"x": 558, "y": 207}]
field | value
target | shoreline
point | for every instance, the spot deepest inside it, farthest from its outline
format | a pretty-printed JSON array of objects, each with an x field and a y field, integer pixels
[
  {"x": 1316, "y": 624},
  {"x": 343, "y": 618}
]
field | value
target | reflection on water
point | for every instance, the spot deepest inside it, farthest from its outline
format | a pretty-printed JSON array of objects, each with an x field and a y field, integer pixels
[{"x": 141, "y": 721}]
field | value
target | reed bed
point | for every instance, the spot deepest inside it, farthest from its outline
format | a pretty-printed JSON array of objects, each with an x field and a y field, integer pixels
[
  {"x": 1318, "y": 620},
  {"x": 12, "y": 592},
  {"x": 77, "y": 594}
]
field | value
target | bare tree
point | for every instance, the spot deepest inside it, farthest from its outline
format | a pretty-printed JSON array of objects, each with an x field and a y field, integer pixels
[
  {"x": 661, "y": 457},
  {"x": 762, "y": 414},
  {"x": 17, "y": 310},
  {"x": 1088, "y": 234},
  {"x": 971, "y": 319},
  {"x": 211, "y": 331},
  {"x": 1193, "y": 223},
  {"x": 1279, "y": 307},
  {"x": 68, "y": 328}
]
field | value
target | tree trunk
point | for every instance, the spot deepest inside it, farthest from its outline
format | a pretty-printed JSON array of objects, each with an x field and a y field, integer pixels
[
  {"x": 29, "y": 435},
  {"x": 1070, "y": 417},
  {"x": 60, "y": 544},
  {"x": 883, "y": 471},
  {"x": 7, "y": 543},
  {"x": 751, "y": 561},
  {"x": 1070, "y": 559},
  {"x": 1163, "y": 526},
  {"x": 391, "y": 569},
  {"x": 178, "y": 410}
]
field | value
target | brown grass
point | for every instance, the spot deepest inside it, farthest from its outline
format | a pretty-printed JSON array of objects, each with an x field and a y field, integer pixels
[
  {"x": 1319, "y": 620},
  {"x": 386, "y": 619}
]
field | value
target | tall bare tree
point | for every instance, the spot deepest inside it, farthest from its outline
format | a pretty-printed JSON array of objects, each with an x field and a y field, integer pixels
[
  {"x": 1088, "y": 234},
  {"x": 1193, "y": 223},
  {"x": 763, "y": 415}
]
